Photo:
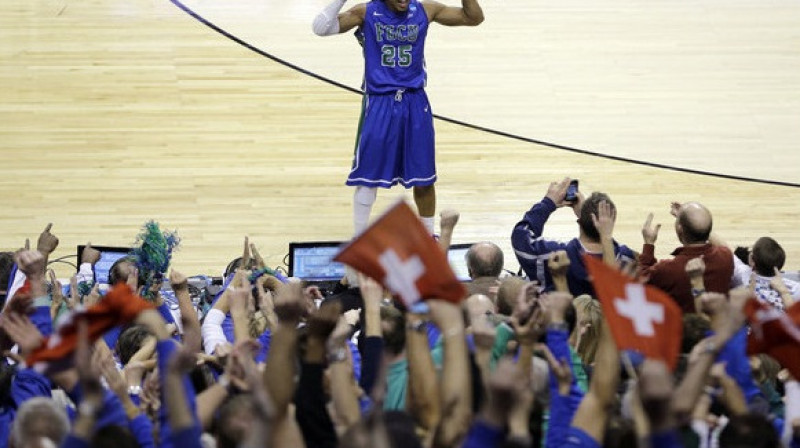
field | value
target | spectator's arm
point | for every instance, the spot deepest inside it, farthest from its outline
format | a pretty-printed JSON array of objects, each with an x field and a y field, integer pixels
[
  {"x": 558, "y": 264},
  {"x": 213, "y": 335},
  {"x": 340, "y": 371},
  {"x": 604, "y": 223},
  {"x": 423, "y": 387},
  {"x": 447, "y": 223},
  {"x": 280, "y": 370},
  {"x": 592, "y": 414},
  {"x": 312, "y": 414},
  {"x": 647, "y": 258},
  {"x": 191, "y": 324},
  {"x": 456, "y": 396}
]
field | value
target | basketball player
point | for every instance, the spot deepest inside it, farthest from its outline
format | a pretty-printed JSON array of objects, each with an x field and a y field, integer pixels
[{"x": 395, "y": 142}]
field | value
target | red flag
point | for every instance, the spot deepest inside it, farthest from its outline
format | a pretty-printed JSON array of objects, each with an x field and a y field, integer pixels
[
  {"x": 775, "y": 333},
  {"x": 641, "y": 318},
  {"x": 398, "y": 252},
  {"x": 119, "y": 306}
]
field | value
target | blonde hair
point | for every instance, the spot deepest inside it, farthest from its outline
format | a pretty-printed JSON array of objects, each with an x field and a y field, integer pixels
[{"x": 589, "y": 311}]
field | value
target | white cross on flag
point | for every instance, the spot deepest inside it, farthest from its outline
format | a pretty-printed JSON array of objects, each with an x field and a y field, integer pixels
[
  {"x": 641, "y": 318},
  {"x": 397, "y": 251}
]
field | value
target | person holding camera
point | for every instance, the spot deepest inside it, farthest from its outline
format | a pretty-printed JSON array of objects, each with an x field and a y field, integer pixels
[{"x": 596, "y": 215}]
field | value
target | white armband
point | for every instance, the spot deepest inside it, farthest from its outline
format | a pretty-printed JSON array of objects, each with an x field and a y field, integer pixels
[{"x": 327, "y": 22}]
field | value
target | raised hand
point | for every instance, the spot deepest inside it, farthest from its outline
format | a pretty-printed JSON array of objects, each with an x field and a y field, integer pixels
[
  {"x": 448, "y": 218},
  {"x": 178, "y": 280},
  {"x": 57, "y": 295},
  {"x": 695, "y": 267},
  {"x": 528, "y": 333},
  {"x": 558, "y": 263},
  {"x": 650, "y": 233},
  {"x": 32, "y": 263},
  {"x": 604, "y": 220},
  {"x": 246, "y": 254},
  {"x": 558, "y": 191},
  {"x": 322, "y": 322},
  {"x": 559, "y": 368},
  {"x": 371, "y": 291},
  {"x": 22, "y": 331},
  {"x": 555, "y": 305},
  {"x": 47, "y": 242},
  {"x": 290, "y": 303},
  {"x": 90, "y": 254},
  {"x": 260, "y": 264}
]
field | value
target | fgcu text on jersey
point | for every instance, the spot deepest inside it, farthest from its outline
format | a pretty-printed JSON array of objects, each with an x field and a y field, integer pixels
[{"x": 394, "y": 47}]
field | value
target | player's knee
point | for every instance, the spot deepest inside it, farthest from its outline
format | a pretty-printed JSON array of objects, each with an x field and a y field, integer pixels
[{"x": 365, "y": 195}]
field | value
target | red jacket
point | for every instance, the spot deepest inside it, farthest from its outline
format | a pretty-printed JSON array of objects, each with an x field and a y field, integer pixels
[{"x": 670, "y": 275}]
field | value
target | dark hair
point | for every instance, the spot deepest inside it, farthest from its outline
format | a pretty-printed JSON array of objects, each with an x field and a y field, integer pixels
[
  {"x": 590, "y": 207},
  {"x": 7, "y": 374},
  {"x": 130, "y": 341},
  {"x": 118, "y": 274},
  {"x": 695, "y": 329},
  {"x": 692, "y": 234},
  {"x": 485, "y": 266},
  {"x": 114, "y": 436},
  {"x": 767, "y": 255},
  {"x": 236, "y": 263},
  {"x": 748, "y": 431},
  {"x": 742, "y": 253},
  {"x": 394, "y": 338}
]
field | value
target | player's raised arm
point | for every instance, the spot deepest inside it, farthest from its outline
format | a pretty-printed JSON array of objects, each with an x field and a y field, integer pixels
[
  {"x": 330, "y": 21},
  {"x": 469, "y": 14}
]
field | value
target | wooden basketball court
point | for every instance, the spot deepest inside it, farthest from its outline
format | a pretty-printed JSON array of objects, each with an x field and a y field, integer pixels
[{"x": 115, "y": 112}]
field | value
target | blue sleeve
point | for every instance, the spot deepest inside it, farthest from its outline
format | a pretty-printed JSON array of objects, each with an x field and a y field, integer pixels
[
  {"x": 371, "y": 363},
  {"x": 483, "y": 435},
  {"x": 562, "y": 408},
  {"x": 27, "y": 383},
  {"x": 74, "y": 442},
  {"x": 263, "y": 350},
  {"x": 186, "y": 438},
  {"x": 111, "y": 336},
  {"x": 164, "y": 350},
  {"x": 41, "y": 318},
  {"x": 142, "y": 430},
  {"x": 668, "y": 439},
  {"x": 112, "y": 412},
  {"x": 433, "y": 334},
  {"x": 356, "y": 355},
  {"x": 737, "y": 366},
  {"x": 529, "y": 246}
]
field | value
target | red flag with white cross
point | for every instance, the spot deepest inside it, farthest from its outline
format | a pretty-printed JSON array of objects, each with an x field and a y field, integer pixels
[
  {"x": 775, "y": 333},
  {"x": 398, "y": 252},
  {"x": 641, "y": 318}
]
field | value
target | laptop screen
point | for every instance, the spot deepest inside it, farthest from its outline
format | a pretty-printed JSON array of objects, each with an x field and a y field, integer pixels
[
  {"x": 108, "y": 255},
  {"x": 312, "y": 261},
  {"x": 457, "y": 256}
]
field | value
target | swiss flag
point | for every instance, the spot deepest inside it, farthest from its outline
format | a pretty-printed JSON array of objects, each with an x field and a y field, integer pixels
[
  {"x": 640, "y": 317},
  {"x": 775, "y": 333},
  {"x": 398, "y": 252},
  {"x": 119, "y": 306}
]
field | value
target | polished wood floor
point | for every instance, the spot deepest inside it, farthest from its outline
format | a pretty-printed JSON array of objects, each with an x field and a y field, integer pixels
[{"x": 116, "y": 112}]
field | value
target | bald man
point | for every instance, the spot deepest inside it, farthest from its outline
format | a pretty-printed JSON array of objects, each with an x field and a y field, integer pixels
[
  {"x": 693, "y": 223},
  {"x": 484, "y": 264}
]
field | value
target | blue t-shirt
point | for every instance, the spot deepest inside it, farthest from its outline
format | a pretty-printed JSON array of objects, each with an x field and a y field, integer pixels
[{"x": 394, "y": 47}]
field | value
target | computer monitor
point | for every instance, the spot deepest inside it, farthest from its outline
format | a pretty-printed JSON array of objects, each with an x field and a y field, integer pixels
[
  {"x": 457, "y": 257},
  {"x": 313, "y": 261},
  {"x": 108, "y": 255}
]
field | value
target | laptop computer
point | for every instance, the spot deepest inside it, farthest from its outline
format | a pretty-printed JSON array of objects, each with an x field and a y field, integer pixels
[
  {"x": 313, "y": 262},
  {"x": 457, "y": 257},
  {"x": 108, "y": 255}
]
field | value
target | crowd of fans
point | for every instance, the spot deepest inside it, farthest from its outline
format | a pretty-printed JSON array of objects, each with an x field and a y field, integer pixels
[{"x": 522, "y": 361}]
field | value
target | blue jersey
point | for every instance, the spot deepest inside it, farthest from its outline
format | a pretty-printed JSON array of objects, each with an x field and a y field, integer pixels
[{"x": 394, "y": 47}]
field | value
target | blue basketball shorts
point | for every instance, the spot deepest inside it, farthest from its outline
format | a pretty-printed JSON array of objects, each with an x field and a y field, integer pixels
[{"x": 395, "y": 141}]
